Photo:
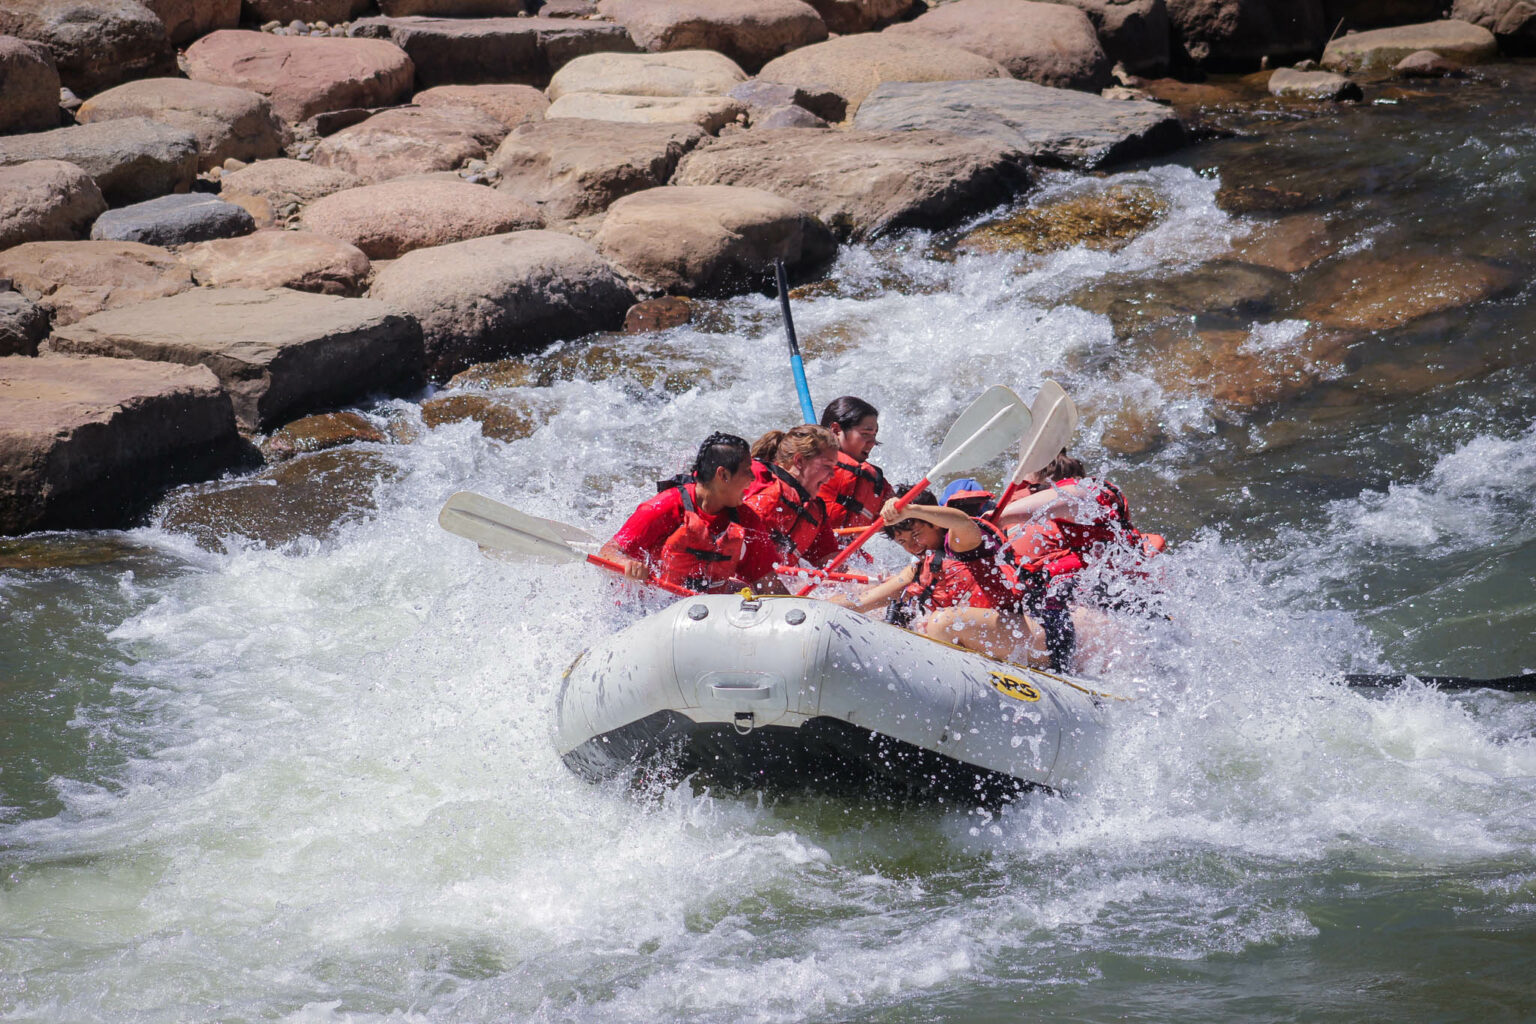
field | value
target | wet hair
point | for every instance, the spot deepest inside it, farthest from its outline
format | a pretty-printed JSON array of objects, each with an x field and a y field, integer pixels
[
  {"x": 782, "y": 447},
  {"x": 847, "y": 412},
  {"x": 1062, "y": 467},
  {"x": 720, "y": 451},
  {"x": 924, "y": 497}
]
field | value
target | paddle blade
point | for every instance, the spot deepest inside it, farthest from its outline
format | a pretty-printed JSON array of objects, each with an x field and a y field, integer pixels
[
  {"x": 491, "y": 524},
  {"x": 1055, "y": 418},
  {"x": 983, "y": 431}
]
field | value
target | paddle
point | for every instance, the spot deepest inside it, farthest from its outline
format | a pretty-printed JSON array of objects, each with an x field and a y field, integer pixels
[
  {"x": 491, "y": 524},
  {"x": 836, "y": 577},
  {"x": 1055, "y": 420},
  {"x": 1525, "y": 683},
  {"x": 801, "y": 387},
  {"x": 980, "y": 433}
]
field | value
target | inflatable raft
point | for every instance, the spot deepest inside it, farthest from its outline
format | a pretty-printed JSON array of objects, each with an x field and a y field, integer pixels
[{"x": 783, "y": 693}]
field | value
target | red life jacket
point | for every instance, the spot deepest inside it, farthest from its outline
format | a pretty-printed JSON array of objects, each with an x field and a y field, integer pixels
[
  {"x": 1038, "y": 548},
  {"x": 1108, "y": 521},
  {"x": 794, "y": 516},
  {"x": 944, "y": 582},
  {"x": 855, "y": 492},
  {"x": 695, "y": 556}
]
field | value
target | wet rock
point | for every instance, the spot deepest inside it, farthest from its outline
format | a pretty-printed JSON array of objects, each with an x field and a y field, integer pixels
[
  {"x": 492, "y": 297},
  {"x": 72, "y": 280},
  {"x": 131, "y": 160},
  {"x": 303, "y": 75},
  {"x": 174, "y": 220},
  {"x": 788, "y": 117},
  {"x": 1047, "y": 43},
  {"x": 1427, "y": 64},
  {"x": 226, "y": 122},
  {"x": 1241, "y": 370},
  {"x": 1223, "y": 288},
  {"x": 1055, "y": 127},
  {"x": 185, "y": 20},
  {"x": 680, "y": 73},
  {"x": 1512, "y": 22},
  {"x": 23, "y": 325},
  {"x": 762, "y": 97},
  {"x": 573, "y": 168},
  {"x": 1239, "y": 34},
  {"x": 709, "y": 113},
  {"x": 284, "y": 184},
  {"x": 641, "y": 362},
  {"x": 501, "y": 419},
  {"x": 498, "y": 375},
  {"x": 1134, "y": 33},
  {"x": 661, "y": 314},
  {"x": 1105, "y": 221},
  {"x": 451, "y": 8},
  {"x": 862, "y": 184},
  {"x": 286, "y": 11},
  {"x": 300, "y": 260},
  {"x": 1289, "y": 244},
  {"x": 66, "y": 550},
  {"x": 1312, "y": 85},
  {"x": 95, "y": 43},
  {"x": 29, "y": 86},
  {"x": 749, "y": 32},
  {"x": 87, "y": 442},
  {"x": 511, "y": 105},
  {"x": 850, "y": 67},
  {"x": 1372, "y": 292},
  {"x": 46, "y": 200},
  {"x": 392, "y": 218},
  {"x": 393, "y": 143},
  {"x": 846, "y": 17},
  {"x": 472, "y": 51},
  {"x": 319, "y": 433},
  {"x": 1381, "y": 49},
  {"x": 278, "y": 353}
]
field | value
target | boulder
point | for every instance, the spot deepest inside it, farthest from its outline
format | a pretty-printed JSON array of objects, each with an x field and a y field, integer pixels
[
  {"x": 278, "y": 353},
  {"x": 1133, "y": 32},
  {"x": 227, "y": 122},
  {"x": 1056, "y": 127},
  {"x": 661, "y": 314},
  {"x": 23, "y": 325},
  {"x": 286, "y": 11},
  {"x": 510, "y": 105},
  {"x": 319, "y": 433},
  {"x": 186, "y": 20},
  {"x": 174, "y": 220},
  {"x": 1426, "y": 64},
  {"x": 1375, "y": 292},
  {"x": 1239, "y": 34},
  {"x": 862, "y": 184},
  {"x": 850, "y": 67},
  {"x": 1312, "y": 85},
  {"x": 1381, "y": 49},
  {"x": 709, "y": 113},
  {"x": 87, "y": 443},
  {"x": 846, "y": 17},
  {"x": 410, "y": 140},
  {"x": 29, "y": 87},
  {"x": 451, "y": 8},
  {"x": 789, "y": 116},
  {"x": 573, "y": 168},
  {"x": 285, "y": 183},
  {"x": 300, "y": 260},
  {"x": 95, "y": 43},
  {"x": 678, "y": 73},
  {"x": 1512, "y": 22},
  {"x": 472, "y": 51},
  {"x": 1051, "y": 44},
  {"x": 749, "y": 32},
  {"x": 1104, "y": 220},
  {"x": 761, "y": 97},
  {"x": 131, "y": 160},
  {"x": 303, "y": 75},
  {"x": 487, "y": 298},
  {"x": 46, "y": 200},
  {"x": 394, "y": 217},
  {"x": 501, "y": 418},
  {"x": 711, "y": 239},
  {"x": 72, "y": 280}
]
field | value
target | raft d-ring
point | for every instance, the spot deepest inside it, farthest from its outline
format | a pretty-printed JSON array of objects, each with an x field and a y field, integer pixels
[
  {"x": 744, "y": 720},
  {"x": 750, "y": 602}
]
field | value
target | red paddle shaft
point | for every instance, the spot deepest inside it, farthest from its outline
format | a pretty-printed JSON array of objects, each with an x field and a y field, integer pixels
[
  {"x": 869, "y": 531},
  {"x": 612, "y": 566},
  {"x": 836, "y": 577}
]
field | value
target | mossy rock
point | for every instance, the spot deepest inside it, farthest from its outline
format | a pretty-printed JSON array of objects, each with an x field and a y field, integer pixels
[{"x": 1107, "y": 221}]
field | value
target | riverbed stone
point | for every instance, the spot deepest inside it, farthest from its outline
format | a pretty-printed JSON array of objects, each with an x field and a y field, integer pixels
[
  {"x": 23, "y": 325},
  {"x": 1104, "y": 220},
  {"x": 227, "y": 122},
  {"x": 72, "y": 280},
  {"x": 301, "y": 260},
  {"x": 864, "y": 183},
  {"x": 278, "y": 353},
  {"x": 846, "y": 17},
  {"x": 749, "y": 32},
  {"x": 319, "y": 433},
  {"x": 1221, "y": 287},
  {"x": 1380, "y": 49},
  {"x": 186, "y": 20},
  {"x": 285, "y": 184},
  {"x": 473, "y": 51},
  {"x": 88, "y": 442},
  {"x": 1047, "y": 43},
  {"x": 131, "y": 159},
  {"x": 29, "y": 86},
  {"x": 1240, "y": 371},
  {"x": 393, "y": 217},
  {"x": 573, "y": 168},
  {"x": 1134, "y": 33},
  {"x": 1377, "y": 292},
  {"x": 1240, "y": 34},
  {"x": 486, "y": 298},
  {"x": 709, "y": 113},
  {"x": 410, "y": 140},
  {"x": 95, "y": 44},
  {"x": 676, "y": 73},
  {"x": 303, "y": 75},
  {"x": 1291, "y": 243},
  {"x": 46, "y": 200},
  {"x": 1512, "y": 22},
  {"x": 1313, "y": 85},
  {"x": 1056, "y": 127},
  {"x": 499, "y": 417},
  {"x": 174, "y": 220},
  {"x": 510, "y": 105},
  {"x": 1426, "y": 64}
]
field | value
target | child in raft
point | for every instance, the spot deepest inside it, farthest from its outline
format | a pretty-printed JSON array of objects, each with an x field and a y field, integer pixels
[
  {"x": 857, "y": 488},
  {"x": 790, "y": 466}
]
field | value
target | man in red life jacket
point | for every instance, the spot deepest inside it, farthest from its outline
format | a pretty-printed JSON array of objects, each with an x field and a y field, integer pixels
[
  {"x": 789, "y": 467},
  {"x": 698, "y": 534},
  {"x": 857, "y": 488}
]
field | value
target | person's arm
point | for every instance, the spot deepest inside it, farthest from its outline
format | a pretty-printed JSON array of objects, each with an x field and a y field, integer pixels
[
  {"x": 964, "y": 534},
  {"x": 1053, "y": 503},
  {"x": 636, "y": 543},
  {"x": 633, "y": 567},
  {"x": 878, "y": 595}
]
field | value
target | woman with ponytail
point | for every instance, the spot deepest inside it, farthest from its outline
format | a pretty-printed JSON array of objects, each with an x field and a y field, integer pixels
[
  {"x": 791, "y": 465},
  {"x": 857, "y": 489}
]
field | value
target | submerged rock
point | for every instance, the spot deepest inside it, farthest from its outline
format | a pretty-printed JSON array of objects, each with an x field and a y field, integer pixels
[
  {"x": 1372, "y": 292},
  {"x": 1290, "y": 243},
  {"x": 319, "y": 433},
  {"x": 661, "y": 314},
  {"x": 500, "y": 418},
  {"x": 1107, "y": 221},
  {"x": 1222, "y": 287}
]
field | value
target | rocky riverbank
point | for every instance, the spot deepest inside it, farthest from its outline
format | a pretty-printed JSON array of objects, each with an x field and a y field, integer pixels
[{"x": 218, "y": 218}]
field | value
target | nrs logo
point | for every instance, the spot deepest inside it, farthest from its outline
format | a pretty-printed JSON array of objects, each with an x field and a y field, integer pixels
[{"x": 1013, "y": 686}]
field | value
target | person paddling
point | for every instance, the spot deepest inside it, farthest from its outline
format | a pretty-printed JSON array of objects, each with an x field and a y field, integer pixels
[
  {"x": 697, "y": 533},
  {"x": 791, "y": 465},
  {"x": 857, "y": 488}
]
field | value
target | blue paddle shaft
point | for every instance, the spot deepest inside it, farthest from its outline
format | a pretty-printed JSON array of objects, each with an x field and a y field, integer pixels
[
  {"x": 806, "y": 408},
  {"x": 795, "y": 363}
]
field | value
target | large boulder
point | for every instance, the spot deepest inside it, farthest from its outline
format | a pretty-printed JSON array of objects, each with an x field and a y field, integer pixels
[
  {"x": 1057, "y": 127},
  {"x": 280, "y": 259},
  {"x": 279, "y": 353},
  {"x": 410, "y": 140},
  {"x": 131, "y": 160},
  {"x": 89, "y": 442},
  {"x": 1239, "y": 34},
  {"x": 862, "y": 184},
  {"x": 573, "y": 168},
  {"x": 95, "y": 43},
  {"x": 46, "y": 200},
  {"x": 487, "y": 298},
  {"x": 23, "y": 325},
  {"x": 849, "y": 67},
  {"x": 709, "y": 113},
  {"x": 749, "y": 32},
  {"x": 846, "y": 17},
  {"x": 226, "y": 121},
  {"x": 510, "y": 105},
  {"x": 1133, "y": 32},
  {"x": 1381, "y": 49},
  {"x": 174, "y": 220},
  {"x": 72, "y": 280},
  {"x": 678, "y": 73},
  {"x": 1052, "y": 44},
  {"x": 29, "y": 87},
  {"x": 186, "y": 20},
  {"x": 472, "y": 51},
  {"x": 303, "y": 75},
  {"x": 1512, "y": 22},
  {"x": 333, "y": 11},
  {"x": 394, "y": 217}
]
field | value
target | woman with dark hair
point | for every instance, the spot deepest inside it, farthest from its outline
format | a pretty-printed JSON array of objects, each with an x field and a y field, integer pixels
[
  {"x": 791, "y": 466},
  {"x": 857, "y": 488},
  {"x": 698, "y": 533}
]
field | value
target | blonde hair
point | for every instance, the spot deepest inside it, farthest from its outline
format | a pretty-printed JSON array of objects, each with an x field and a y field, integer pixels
[{"x": 783, "y": 447}]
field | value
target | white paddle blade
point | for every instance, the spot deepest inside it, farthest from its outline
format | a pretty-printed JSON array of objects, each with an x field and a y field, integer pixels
[
  {"x": 1055, "y": 423},
  {"x": 983, "y": 431},
  {"x": 491, "y": 524}
]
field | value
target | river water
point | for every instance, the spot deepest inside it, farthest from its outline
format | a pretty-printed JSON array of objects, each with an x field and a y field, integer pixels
[{"x": 315, "y": 781}]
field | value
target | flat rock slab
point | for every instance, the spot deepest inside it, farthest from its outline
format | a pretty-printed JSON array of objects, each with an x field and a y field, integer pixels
[
  {"x": 227, "y": 122},
  {"x": 683, "y": 73},
  {"x": 392, "y": 218},
  {"x": 46, "y": 200},
  {"x": 72, "y": 280},
  {"x": 95, "y": 44},
  {"x": 303, "y": 75},
  {"x": 1381, "y": 49},
  {"x": 710, "y": 113},
  {"x": 89, "y": 442},
  {"x": 1056, "y": 127},
  {"x": 131, "y": 160},
  {"x": 278, "y": 354},
  {"x": 863, "y": 184},
  {"x": 573, "y": 168},
  {"x": 511, "y": 105},
  {"x": 1312, "y": 85},
  {"x": 1049, "y": 43},
  {"x": 407, "y": 140},
  {"x": 280, "y": 259},
  {"x": 487, "y": 298},
  {"x": 471, "y": 51},
  {"x": 174, "y": 220},
  {"x": 29, "y": 86},
  {"x": 23, "y": 325},
  {"x": 749, "y": 32}
]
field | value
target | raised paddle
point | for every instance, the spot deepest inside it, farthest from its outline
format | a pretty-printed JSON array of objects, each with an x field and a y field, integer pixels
[
  {"x": 1055, "y": 420},
  {"x": 803, "y": 389},
  {"x": 980, "y": 433}
]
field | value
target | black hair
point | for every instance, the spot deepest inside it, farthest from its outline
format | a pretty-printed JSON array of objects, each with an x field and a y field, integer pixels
[
  {"x": 1062, "y": 467},
  {"x": 719, "y": 451},
  {"x": 847, "y": 412},
  {"x": 924, "y": 497}
]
